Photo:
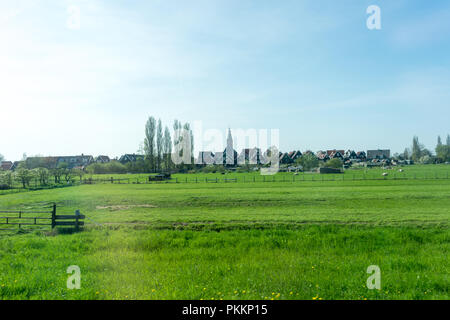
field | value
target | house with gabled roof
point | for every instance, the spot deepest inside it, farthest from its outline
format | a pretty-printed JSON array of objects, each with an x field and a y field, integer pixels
[
  {"x": 361, "y": 155},
  {"x": 6, "y": 165},
  {"x": 205, "y": 158},
  {"x": 336, "y": 154},
  {"x": 294, "y": 155},
  {"x": 350, "y": 154},
  {"x": 102, "y": 159},
  {"x": 285, "y": 159},
  {"x": 131, "y": 158},
  {"x": 322, "y": 156}
]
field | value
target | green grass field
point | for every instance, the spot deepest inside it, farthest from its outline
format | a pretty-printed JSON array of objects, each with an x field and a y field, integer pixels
[{"x": 243, "y": 240}]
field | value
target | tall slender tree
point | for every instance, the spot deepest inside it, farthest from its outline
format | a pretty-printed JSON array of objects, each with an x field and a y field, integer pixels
[
  {"x": 167, "y": 148},
  {"x": 159, "y": 145},
  {"x": 149, "y": 142},
  {"x": 448, "y": 139},
  {"x": 439, "y": 141},
  {"x": 187, "y": 128},
  {"x": 416, "y": 149},
  {"x": 406, "y": 154},
  {"x": 177, "y": 138}
]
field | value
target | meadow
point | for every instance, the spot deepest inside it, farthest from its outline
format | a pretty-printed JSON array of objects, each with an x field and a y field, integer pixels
[{"x": 290, "y": 239}]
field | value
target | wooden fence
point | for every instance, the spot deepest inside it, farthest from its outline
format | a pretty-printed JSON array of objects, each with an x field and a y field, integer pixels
[{"x": 30, "y": 218}]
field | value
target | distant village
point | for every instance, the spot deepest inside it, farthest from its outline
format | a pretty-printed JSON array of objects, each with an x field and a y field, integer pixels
[{"x": 229, "y": 158}]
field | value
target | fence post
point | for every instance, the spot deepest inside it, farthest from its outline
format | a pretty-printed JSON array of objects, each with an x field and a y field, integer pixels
[{"x": 54, "y": 216}]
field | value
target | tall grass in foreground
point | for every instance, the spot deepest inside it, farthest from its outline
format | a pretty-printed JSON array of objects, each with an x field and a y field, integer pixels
[{"x": 309, "y": 262}]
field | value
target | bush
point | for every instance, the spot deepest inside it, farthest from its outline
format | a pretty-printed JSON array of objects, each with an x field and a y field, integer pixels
[
  {"x": 308, "y": 162},
  {"x": 334, "y": 163},
  {"x": 110, "y": 167}
]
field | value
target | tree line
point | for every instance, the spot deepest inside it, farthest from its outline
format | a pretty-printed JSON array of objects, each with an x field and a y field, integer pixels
[
  {"x": 419, "y": 154},
  {"x": 155, "y": 152}
]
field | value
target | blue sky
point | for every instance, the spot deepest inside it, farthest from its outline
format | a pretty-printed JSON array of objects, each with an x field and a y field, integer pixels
[{"x": 311, "y": 69}]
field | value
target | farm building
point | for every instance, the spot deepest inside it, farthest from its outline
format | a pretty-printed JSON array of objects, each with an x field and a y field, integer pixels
[
  {"x": 250, "y": 156},
  {"x": 322, "y": 156},
  {"x": 285, "y": 159},
  {"x": 130, "y": 158},
  {"x": 6, "y": 165},
  {"x": 205, "y": 157},
  {"x": 294, "y": 155},
  {"x": 54, "y": 162},
  {"x": 378, "y": 154},
  {"x": 228, "y": 157},
  {"x": 336, "y": 154},
  {"x": 102, "y": 159}
]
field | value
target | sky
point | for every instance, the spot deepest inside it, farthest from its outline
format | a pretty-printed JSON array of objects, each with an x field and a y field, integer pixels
[{"x": 311, "y": 69}]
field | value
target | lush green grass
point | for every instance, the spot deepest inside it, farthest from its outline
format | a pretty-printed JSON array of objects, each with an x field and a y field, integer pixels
[
  {"x": 357, "y": 173},
  {"x": 329, "y": 262},
  {"x": 282, "y": 240}
]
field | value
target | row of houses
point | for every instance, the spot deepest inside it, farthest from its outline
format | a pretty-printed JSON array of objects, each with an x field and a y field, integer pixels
[
  {"x": 256, "y": 156},
  {"x": 229, "y": 157},
  {"x": 79, "y": 162}
]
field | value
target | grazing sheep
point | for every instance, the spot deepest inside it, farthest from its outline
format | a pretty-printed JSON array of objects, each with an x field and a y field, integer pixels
[
  {"x": 400, "y": 170},
  {"x": 385, "y": 174}
]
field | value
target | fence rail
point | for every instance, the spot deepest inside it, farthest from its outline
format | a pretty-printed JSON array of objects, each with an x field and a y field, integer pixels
[
  {"x": 284, "y": 177},
  {"x": 22, "y": 218},
  {"x": 279, "y": 178}
]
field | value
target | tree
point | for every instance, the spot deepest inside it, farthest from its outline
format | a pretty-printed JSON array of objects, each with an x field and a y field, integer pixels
[
  {"x": 167, "y": 150},
  {"x": 1, "y": 157},
  {"x": 439, "y": 141},
  {"x": 149, "y": 142},
  {"x": 23, "y": 175},
  {"x": 6, "y": 179},
  {"x": 57, "y": 172},
  {"x": 426, "y": 159},
  {"x": 334, "y": 163},
  {"x": 443, "y": 153},
  {"x": 406, "y": 154},
  {"x": 448, "y": 140},
  {"x": 188, "y": 129},
  {"x": 65, "y": 171},
  {"x": 417, "y": 149},
  {"x": 43, "y": 175},
  {"x": 78, "y": 172},
  {"x": 308, "y": 161},
  {"x": 159, "y": 144}
]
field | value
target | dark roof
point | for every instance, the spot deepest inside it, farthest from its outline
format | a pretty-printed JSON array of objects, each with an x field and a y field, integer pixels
[{"x": 6, "y": 165}]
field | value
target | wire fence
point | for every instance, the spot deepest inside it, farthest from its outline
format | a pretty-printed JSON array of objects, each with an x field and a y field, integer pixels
[{"x": 241, "y": 178}]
